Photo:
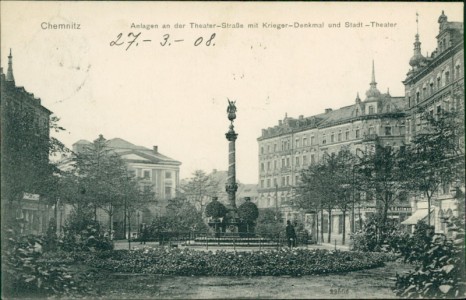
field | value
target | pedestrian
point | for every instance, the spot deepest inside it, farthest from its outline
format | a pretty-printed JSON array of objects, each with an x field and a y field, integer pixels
[{"x": 290, "y": 234}]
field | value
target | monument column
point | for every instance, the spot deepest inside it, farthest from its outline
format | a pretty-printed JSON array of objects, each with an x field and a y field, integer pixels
[{"x": 231, "y": 135}]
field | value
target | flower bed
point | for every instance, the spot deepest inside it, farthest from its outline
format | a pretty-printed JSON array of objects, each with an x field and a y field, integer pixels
[{"x": 189, "y": 262}]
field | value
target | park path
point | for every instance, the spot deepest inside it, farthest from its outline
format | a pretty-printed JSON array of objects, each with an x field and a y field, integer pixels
[{"x": 364, "y": 284}]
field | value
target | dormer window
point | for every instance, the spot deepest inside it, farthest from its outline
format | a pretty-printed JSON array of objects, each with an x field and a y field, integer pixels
[
  {"x": 417, "y": 97},
  {"x": 371, "y": 109},
  {"x": 447, "y": 77}
]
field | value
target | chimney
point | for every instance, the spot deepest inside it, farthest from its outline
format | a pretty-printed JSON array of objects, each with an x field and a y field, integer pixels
[
  {"x": 156, "y": 149},
  {"x": 301, "y": 117},
  {"x": 327, "y": 110}
]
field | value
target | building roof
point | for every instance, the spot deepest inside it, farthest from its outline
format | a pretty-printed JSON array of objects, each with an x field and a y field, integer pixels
[{"x": 134, "y": 153}]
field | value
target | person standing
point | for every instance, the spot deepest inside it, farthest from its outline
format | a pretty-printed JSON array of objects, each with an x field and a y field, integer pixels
[{"x": 290, "y": 234}]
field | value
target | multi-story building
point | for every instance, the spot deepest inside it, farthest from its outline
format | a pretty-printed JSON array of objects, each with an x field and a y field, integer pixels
[
  {"x": 432, "y": 85},
  {"x": 294, "y": 144},
  {"x": 159, "y": 173},
  {"x": 24, "y": 155}
]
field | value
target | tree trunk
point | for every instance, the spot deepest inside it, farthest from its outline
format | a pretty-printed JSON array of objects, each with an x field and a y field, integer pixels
[
  {"x": 329, "y": 226},
  {"x": 344, "y": 228},
  {"x": 110, "y": 223},
  {"x": 322, "y": 225}
]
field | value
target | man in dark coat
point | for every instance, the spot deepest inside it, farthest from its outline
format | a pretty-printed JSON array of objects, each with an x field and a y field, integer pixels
[{"x": 290, "y": 234}]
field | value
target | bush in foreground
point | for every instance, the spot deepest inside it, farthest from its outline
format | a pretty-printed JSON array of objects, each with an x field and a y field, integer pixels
[{"x": 189, "y": 262}]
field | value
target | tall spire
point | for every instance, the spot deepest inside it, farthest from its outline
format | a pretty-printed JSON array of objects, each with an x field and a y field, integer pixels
[
  {"x": 373, "y": 93},
  {"x": 417, "y": 57},
  {"x": 373, "y": 82},
  {"x": 9, "y": 74}
]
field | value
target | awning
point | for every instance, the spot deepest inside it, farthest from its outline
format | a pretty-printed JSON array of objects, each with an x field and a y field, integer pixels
[{"x": 419, "y": 214}]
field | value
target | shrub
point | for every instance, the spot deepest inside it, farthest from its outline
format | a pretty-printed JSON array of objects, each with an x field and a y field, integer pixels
[
  {"x": 188, "y": 262},
  {"x": 439, "y": 263},
  {"x": 82, "y": 233},
  {"x": 215, "y": 209},
  {"x": 269, "y": 224},
  {"x": 26, "y": 274}
]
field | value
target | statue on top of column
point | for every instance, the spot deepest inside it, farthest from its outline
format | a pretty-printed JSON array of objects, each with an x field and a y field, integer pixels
[{"x": 231, "y": 110}]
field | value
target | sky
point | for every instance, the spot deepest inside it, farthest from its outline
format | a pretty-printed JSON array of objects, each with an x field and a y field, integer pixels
[{"x": 175, "y": 96}]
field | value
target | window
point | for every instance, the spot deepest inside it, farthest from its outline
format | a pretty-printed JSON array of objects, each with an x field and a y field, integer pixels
[
  {"x": 447, "y": 77},
  {"x": 287, "y": 161},
  {"x": 339, "y": 137},
  {"x": 283, "y": 162},
  {"x": 417, "y": 97},
  {"x": 304, "y": 160},
  {"x": 312, "y": 140},
  {"x": 268, "y": 182},
  {"x": 262, "y": 150},
  {"x": 168, "y": 175},
  {"x": 275, "y": 164},
  {"x": 371, "y": 130},
  {"x": 457, "y": 71},
  {"x": 388, "y": 130},
  {"x": 297, "y": 161},
  {"x": 283, "y": 181},
  {"x": 347, "y": 135},
  {"x": 132, "y": 173},
  {"x": 340, "y": 224},
  {"x": 388, "y": 108},
  {"x": 313, "y": 159},
  {"x": 287, "y": 180},
  {"x": 297, "y": 143},
  {"x": 268, "y": 149},
  {"x": 146, "y": 174},
  {"x": 439, "y": 109},
  {"x": 357, "y": 133},
  {"x": 269, "y": 166},
  {"x": 304, "y": 141},
  {"x": 296, "y": 179},
  {"x": 357, "y": 112},
  {"x": 274, "y": 147},
  {"x": 431, "y": 87},
  {"x": 371, "y": 109},
  {"x": 409, "y": 101},
  {"x": 275, "y": 182},
  {"x": 262, "y": 183},
  {"x": 324, "y": 141},
  {"x": 332, "y": 138},
  {"x": 262, "y": 167},
  {"x": 438, "y": 82}
]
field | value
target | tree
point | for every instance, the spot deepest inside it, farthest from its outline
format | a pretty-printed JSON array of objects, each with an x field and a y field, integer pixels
[
  {"x": 25, "y": 150},
  {"x": 184, "y": 215},
  {"x": 383, "y": 175},
  {"x": 344, "y": 181},
  {"x": 269, "y": 224},
  {"x": 199, "y": 188},
  {"x": 100, "y": 179},
  {"x": 436, "y": 155},
  {"x": 320, "y": 181},
  {"x": 249, "y": 212},
  {"x": 215, "y": 209}
]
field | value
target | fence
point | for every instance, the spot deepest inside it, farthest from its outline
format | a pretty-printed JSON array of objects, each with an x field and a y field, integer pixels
[{"x": 211, "y": 239}]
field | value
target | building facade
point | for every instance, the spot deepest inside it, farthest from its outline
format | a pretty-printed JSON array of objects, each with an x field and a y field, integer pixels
[
  {"x": 294, "y": 144},
  {"x": 435, "y": 84},
  {"x": 24, "y": 155}
]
